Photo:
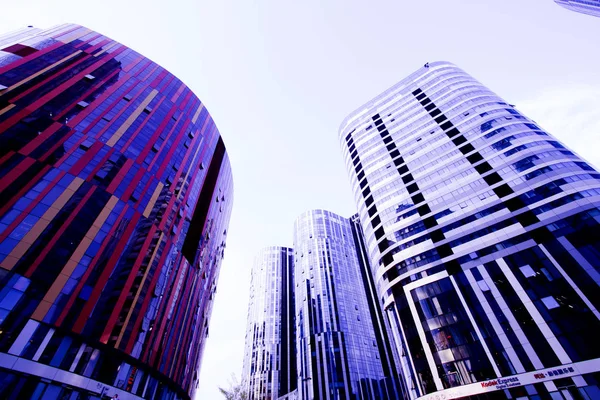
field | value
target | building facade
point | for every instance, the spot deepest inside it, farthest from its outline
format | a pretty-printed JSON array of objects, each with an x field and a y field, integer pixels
[
  {"x": 590, "y": 7},
  {"x": 342, "y": 353},
  {"x": 269, "y": 370},
  {"x": 483, "y": 231},
  {"x": 116, "y": 192}
]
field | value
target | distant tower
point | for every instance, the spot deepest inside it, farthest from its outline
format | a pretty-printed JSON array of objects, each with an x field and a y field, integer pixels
[
  {"x": 590, "y": 7},
  {"x": 115, "y": 198},
  {"x": 342, "y": 351},
  {"x": 269, "y": 370},
  {"x": 484, "y": 236}
]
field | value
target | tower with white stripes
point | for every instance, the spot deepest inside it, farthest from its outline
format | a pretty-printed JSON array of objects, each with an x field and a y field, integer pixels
[
  {"x": 484, "y": 239},
  {"x": 590, "y": 7}
]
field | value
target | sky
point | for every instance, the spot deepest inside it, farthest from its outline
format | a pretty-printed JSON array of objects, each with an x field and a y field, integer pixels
[{"x": 278, "y": 77}]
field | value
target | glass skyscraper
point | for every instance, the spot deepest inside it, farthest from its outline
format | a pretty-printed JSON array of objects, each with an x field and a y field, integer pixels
[
  {"x": 484, "y": 236},
  {"x": 116, "y": 192},
  {"x": 590, "y": 7},
  {"x": 342, "y": 351},
  {"x": 269, "y": 370}
]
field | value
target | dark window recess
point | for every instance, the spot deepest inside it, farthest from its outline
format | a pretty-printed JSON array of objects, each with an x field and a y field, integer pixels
[
  {"x": 437, "y": 236},
  {"x": 503, "y": 190},
  {"x": 423, "y": 210},
  {"x": 192, "y": 238},
  {"x": 361, "y": 175},
  {"x": 394, "y": 153},
  {"x": 407, "y": 179},
  {"x": 418, "y": 198},
  {"x": 425, "y": 102},
  {"x": 381, "y": 128},
  {"x": 452, "y": 132},
  {"x": 435, "y": 112},
  {"x": 376, "y": 116},
  {"x": 527, "y": 218},
  {"x": 376, "y": 221},
  {"x": 363, "y": 184},
  {"x": 412, "y": 188},
  {"x": 453, "y": 267},
  {"x": 378, "y": 122},
  {"x": 467, "y": 148},
  {"x": 20, "y": 50},
  {"x": 459, "y": 140},
  {"x": 491, "y": 179},
  {"x": 429, "y": 222},
  {"x": 532, "y": 126},
  {"x": 541, "y": 235},
  {"x": 366, "y": 192},
  {"x": 444, "y": 250},
  {"x": 430, "y": 107},
  {"x": 475, "y": 157},
  {"x": 483, "y": 168},
  {"x": 513, "y": 204},
  {"x": 390, "y": 146},
  {"x": 403, "y": 169},
  {"x": 446, "y": 125},
  {"x": 379, "y": 233},
  {"x": 584, "y": 166},
  {"x": 372, "y": 211},
  {"x": 369, "y": 201}
]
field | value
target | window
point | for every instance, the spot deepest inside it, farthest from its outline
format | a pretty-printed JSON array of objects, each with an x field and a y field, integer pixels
[
  {"x": 483, "y": 286},
  {"x": 550, "y": 302},
  {"x": 527, "y": 271}
]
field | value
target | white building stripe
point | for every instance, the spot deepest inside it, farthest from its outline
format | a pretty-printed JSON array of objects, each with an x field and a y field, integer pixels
[
  {"x": 568, "y": 279},
  {"x": 535, "y": 360},
  {"x": 510, "y": 351},
  {"x": 535, "y": 314}
]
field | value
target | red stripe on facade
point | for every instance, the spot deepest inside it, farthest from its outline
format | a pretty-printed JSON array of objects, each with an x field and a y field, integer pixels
[
  {"x": 41, "y": 138},
  {"x": 31, "y": 206},
  {"x": 50, "y": 245},
  {"x": 65, "y": 85},
  {"x": 140, "y": 317},
  {"x": 13, "y": 174},
  {"x": 101, "y": 283},
  {"x": 89, "y": 269},
  {"x": 86, "y": 158},
  {"x": 117, "y": 309},
  {"x": 30, "y": 57},
  {"x": 114, "y": 184},
  {"x": 133, "y": 184},
  {"x": 100, "y": 99}
]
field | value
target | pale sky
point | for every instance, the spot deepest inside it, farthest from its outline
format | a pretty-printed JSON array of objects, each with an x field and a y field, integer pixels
[{"x": 279, "y": 76}]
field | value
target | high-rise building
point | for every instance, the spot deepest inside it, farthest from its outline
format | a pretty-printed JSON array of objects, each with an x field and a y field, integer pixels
[
  {"x": 484, "y": 237},
  {"x": 590, "y": 7},
  {"x": 342, "y": 351},
  {"x": 116, "y": 193},
  {"x": 269, "y": 370}
]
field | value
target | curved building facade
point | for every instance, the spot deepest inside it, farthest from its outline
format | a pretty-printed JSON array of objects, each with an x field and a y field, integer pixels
[
  {"x": 269, "y": 370},
  {"x": 116, "y": 193},
  {"x": 341, "y": 350},
  {"x": 590, "y": 7},
  {"x": 483, "y": 231}
]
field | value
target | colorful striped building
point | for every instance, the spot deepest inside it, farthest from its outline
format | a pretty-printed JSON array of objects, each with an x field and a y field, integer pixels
[{"x": 115, "y": 197}]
